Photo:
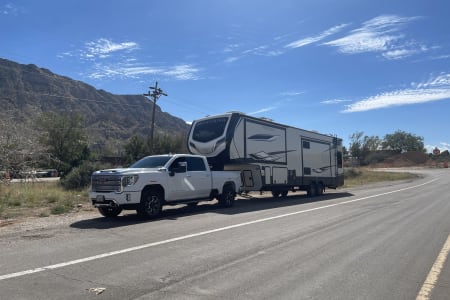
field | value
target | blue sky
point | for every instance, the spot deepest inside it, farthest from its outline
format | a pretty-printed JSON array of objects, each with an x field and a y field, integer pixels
[{"x": 332, "y": 66}]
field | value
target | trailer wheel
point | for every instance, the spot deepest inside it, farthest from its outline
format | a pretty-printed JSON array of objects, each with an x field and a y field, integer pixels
[
  {"x": 284, "y": 193},
  {"x": 226, "y": 199},
  {"x": 320, "y": 189},
  {"x": 312, "y": 190},
  {"x": 151, "y": 204},
  {"x": 110, "y": 212},
  {"x": 276, "y": 193}
]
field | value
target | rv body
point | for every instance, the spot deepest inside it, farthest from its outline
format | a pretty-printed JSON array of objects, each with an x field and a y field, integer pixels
[{"x": 270, "y": 156}]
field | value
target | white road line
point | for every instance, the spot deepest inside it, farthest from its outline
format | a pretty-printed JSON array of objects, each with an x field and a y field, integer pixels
[
  {"x": 185, "y": 237},
  {"x": 433, "y": 277}
]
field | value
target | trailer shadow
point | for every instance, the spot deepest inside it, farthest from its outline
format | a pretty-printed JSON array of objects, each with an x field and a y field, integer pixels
[{"x": 255, "y": 202}]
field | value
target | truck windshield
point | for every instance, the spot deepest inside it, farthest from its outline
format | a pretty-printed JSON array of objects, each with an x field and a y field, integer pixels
[
  {"x": 151, "y": 162},
  {"x": 210, "y": 129}
]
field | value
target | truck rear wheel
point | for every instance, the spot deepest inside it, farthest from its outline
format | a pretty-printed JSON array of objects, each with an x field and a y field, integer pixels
[
  {"x": 226, "y": 199},
  {"x": 110, "y": 212},
  {"x": 151, "y": 204}
]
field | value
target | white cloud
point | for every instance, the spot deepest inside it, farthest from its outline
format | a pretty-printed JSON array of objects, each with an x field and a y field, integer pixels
[
  {"x": 334, "y": 101},
  {"x": 178, "y": 72},
  {"x": 435, "y": 89},
  {"x": 381, "y": 34},
  {"x": 291, "y": 94},
  {"x": 182, "y": 72},
  {"x": 317, "y": 38},
  {"x": 102, "y": 48},
  {"x": 263, "y": 110}
]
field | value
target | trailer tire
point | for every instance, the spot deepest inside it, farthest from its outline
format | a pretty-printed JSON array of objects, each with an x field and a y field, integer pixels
[
  {"x": 312, "y": 190},
  {"x": 151, "y": 204},
  {"x": 284, "y": 193},
  {"x": 110, "y": 212},
  {"x": 319, "y": 189},
  {"x": 226, "y": 199},
  {"x": 276, "y": 193}
]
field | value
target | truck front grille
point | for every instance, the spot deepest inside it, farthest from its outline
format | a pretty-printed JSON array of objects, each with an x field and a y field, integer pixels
[{"x": 106, "y": 183}]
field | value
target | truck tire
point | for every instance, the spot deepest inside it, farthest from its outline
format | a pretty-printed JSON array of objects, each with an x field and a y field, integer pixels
[
  {"x": 110, "y": 212},
  {"x": 151, "y": 204},
  {"x": 226, "y": 199}
]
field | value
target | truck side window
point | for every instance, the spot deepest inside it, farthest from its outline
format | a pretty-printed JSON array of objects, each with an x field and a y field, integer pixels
[
  {"x": 175, "y": 166},
  {"x": 195, "y": 164}
]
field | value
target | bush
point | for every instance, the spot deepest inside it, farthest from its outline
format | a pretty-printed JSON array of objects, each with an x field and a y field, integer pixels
[
  {"x": 80, "y": 177},
  {"x": 352, "y": 173}
]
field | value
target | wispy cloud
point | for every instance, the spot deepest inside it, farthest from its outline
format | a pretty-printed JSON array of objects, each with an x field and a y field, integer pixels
[
  {"x": 102, "y": 48},
  {"x": 435, "y": 89},
  {"x": 316, "y": 38},
  {"x": 382, "y": 35},
  {"x": 10, "y": 9},
  {"x": 334, "y": 101},
  {"x": 178, "y": 72},
  {"x": 112, "y": 60},
  {"x": 234, "y": 51},
  {"x": 291, "y": 94},
  {"x": 263, "y": 110}
]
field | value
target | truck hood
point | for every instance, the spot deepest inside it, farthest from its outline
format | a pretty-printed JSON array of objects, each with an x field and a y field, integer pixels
[{"x": 126, "y": 171}]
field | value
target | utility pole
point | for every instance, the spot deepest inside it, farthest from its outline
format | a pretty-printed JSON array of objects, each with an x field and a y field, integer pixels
[{"x": 154, "y": 96}]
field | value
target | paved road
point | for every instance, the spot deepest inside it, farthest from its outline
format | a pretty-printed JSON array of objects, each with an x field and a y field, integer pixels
[{"x": 377, "y": 242}]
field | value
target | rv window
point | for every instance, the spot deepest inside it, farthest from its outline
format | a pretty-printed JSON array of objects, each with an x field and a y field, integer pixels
[
  {"x": 306, "y": 145},
  {"x": 208, "y": 130},
  {"x": 306, "y": 171}
]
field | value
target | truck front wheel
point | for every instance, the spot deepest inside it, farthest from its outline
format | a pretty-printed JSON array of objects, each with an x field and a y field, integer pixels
[
  {"x": 226, "y": 199},
  {"x": 110, "y": 212},
  {"x": 151, "y": 204}
]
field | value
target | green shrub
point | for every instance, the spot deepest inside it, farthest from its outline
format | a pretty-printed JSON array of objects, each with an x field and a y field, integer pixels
[{"x": 80, "y": 177}]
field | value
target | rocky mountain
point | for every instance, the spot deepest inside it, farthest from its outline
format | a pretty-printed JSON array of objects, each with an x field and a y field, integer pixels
[{"x": 26, "y": 91}]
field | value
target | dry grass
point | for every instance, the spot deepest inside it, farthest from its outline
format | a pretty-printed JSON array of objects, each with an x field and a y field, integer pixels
[
  {"x": 360, "y": 176},
  {"x": 38, "y": 199}
]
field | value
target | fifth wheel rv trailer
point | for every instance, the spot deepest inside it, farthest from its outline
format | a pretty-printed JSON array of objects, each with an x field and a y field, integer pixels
[{"x": 270, "y": 156}]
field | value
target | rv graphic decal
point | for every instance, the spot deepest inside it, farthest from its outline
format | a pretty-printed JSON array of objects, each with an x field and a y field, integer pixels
[
  {"x": 263, "y": 137},
  {"x": 321, "y": 170}
]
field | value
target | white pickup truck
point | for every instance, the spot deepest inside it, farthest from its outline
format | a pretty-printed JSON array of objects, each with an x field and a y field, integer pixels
[{"x": 159, "y": 180}]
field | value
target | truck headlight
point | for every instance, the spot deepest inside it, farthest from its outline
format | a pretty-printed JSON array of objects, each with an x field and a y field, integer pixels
[{"x": 129, "y": 180}]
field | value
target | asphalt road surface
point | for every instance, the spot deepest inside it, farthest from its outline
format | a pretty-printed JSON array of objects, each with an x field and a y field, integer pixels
[{"x": 386, "y": 241}]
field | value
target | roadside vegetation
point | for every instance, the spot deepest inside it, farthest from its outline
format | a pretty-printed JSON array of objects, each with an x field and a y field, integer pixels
[
  {"x": 362, "y": 176},
  {"x": 39, "y": 199}
]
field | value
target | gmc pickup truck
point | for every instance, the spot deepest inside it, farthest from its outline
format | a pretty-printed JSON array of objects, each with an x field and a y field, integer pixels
[{"x": 159, "y": 180}]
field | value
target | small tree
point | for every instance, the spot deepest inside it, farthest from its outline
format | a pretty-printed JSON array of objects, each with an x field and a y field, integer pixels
[
  {"x": 136, "y": 148},
  {"x": 401, "y": 141},
  {"x": 65, "y": 139}
]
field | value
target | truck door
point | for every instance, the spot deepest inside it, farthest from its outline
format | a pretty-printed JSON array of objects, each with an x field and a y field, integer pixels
[{"x": 198, "y": 179}]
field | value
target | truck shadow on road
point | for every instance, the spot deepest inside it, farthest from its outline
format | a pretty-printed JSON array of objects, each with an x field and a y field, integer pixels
[{"x": 255, "y": 202}]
